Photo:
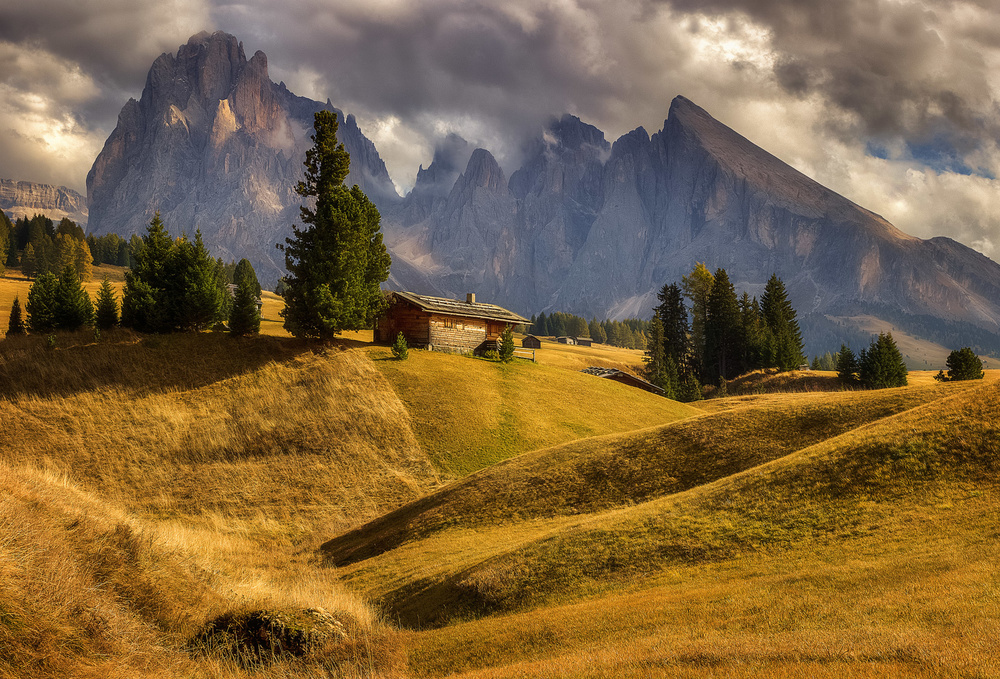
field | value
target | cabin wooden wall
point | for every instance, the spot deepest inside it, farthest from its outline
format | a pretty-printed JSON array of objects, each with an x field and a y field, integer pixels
[
  {"x": 407, "y": 319},
  {"x": 451, "y": 332}
]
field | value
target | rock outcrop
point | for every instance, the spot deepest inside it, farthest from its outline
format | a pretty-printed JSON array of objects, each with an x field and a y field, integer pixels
[
  {"x": 597, "y": 231},
  {"x": 213, "y": 144},
  {"x": 26, "y": 199}
]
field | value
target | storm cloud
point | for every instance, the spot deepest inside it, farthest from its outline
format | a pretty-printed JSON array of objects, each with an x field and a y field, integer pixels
[{"x": 893, "y": 103}]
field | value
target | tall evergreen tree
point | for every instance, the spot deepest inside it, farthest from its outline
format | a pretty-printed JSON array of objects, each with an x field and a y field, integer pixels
[
  {"x": 143, "y": 299},
  {"x": 244, "y": 318},
  {"x": 882, "y": 366},
  {"x": 16, "y": 325},
  {"x": 244, "y": 269},
  {"x": 106, "y": 316},
  {"x": 697, "y": 288},
  {"x": 963, "y": 364},
  {"x": 193, "y": 295},
  {"x": 722, "y": 330},
  {"x": 42, "y": 303},
  {"x": 655, "y": 357},
  {"x": 673, "y": 316},
  {"x": 73, "y": 306},
  {"x": 337, "y": 261},
  {"x": 779, "y": 315},
  {"x": 847, "y": 364}
]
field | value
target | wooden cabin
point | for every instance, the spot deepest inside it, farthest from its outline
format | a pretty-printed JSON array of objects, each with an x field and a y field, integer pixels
[
  {"x": 583, "y": 341},
  {"x": 531, "y": 342},
  {"x": 564, "y": 339},
  {"x": 622, "y": 377},
  {"x": 441, "y": 324}
]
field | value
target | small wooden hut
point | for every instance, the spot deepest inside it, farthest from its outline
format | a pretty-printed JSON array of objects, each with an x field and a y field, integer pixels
[
  {"x": 531, "y": 342},
  {"x": 442, "y": 324}
]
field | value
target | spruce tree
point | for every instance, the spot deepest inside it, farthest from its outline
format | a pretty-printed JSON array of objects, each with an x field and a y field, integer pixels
[
  {"x": 697, "y": 287},
  {"x": 244, "y": 269},
  {"x": 193, "y": 299},
  {"x": 244, "y": 319},
  {"x": 337, "y": 262},
  {"x": 73, "y": 306},
  {"x": 722, "y": 330},
  {"x": 779, "y": 315},
  {"x": 673, "y": 316},
  {"x": 106, "y": 316},
  {"x": 847, "y": 365},
  {"x": 507, "y": 345},
  {"x": 655, "y": 357},
  {"x": 399, "y": 349},
  {"x": 144, "y": 296},
  {"x": 41, "y": 306},
  {"x": 15, "y": 325},
  {"x": 963, "y": 364},
  {"x": 882, "y": 366}
]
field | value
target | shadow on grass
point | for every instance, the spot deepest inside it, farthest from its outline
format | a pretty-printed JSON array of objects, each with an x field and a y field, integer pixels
[{"x": 36, "y": 365}]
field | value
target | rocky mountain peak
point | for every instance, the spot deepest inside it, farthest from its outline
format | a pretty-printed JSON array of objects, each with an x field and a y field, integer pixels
[{"x": 483, "y": 171}]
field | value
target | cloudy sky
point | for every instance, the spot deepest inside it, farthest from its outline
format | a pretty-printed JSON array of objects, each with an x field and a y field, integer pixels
[{"x": 893, "y": 103}]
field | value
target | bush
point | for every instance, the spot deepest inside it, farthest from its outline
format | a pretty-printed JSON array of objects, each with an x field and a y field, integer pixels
[
  {"x": 507, "y": 345},
  {"x": 963, "y": 364},
  {"x": 399, "y": 348}
]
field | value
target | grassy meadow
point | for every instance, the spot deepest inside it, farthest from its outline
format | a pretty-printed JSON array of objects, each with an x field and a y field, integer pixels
[{"x": 463, "y": 518}]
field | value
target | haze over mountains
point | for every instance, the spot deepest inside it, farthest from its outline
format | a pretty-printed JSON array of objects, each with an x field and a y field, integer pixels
[{"x": 583, "y": 225}]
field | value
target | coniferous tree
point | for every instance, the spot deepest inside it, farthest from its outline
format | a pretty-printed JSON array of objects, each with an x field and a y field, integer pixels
[
  {"x": 337, "y": 262},
  {"x": 244, "y": 269},
  {"x": 106, "y": 316},
  {"x": 655, "y": 357},
  {"x": 29, "y": 262},
  {"x": 73, "y": 306},
  {"x": 507, "y": 345},
  {"x": 722, "y": 330},
  {"x": 963, "y": 364},
  {"x": 193, "y": 297},
  {"x": 399, "y": 349},
  {"x": 244, "y": 318},
  {"x": 779, "y": 315},
  {"x": 144, "y": 296},
  {"x": 697, "y": 287},
  {"x": 16, "y": 326},
  {"x": 673, "y": 316},
  {"x": 882, "y": 365},
  {"x": 42, "y": 303},
  {"x": 847, "y": 365}
]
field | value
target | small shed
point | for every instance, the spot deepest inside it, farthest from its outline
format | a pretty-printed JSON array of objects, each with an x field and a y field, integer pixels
[
  {"x": 442, "y": 324},
  {"x": 566, "y": 340},
  {"x": 583, "y": 341},
  {"x": 624, "y": 378},
  {"x": 231, "y": 287},
  {"x": 531, "y": 342}
]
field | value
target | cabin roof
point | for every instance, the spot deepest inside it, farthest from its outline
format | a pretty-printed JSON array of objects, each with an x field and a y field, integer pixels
[{"x": 456, "y": 307}]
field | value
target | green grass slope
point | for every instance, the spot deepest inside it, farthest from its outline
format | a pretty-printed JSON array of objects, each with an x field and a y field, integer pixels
[
  {"x": 515, "y": 535},
  {"x": 469, "y": 414}
]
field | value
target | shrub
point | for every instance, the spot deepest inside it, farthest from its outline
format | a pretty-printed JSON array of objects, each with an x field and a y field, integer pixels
[
  {"x": 963, "y": 364},
  {"x": 507, "y": 345},
  {"x": 399, "y": 348}
]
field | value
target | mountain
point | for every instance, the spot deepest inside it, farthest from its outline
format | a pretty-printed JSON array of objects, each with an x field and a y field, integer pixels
[
  {"x": 597, "y": 231},
  {"x": 214, "y": 144},
  {"x": 26, "y": 199}
]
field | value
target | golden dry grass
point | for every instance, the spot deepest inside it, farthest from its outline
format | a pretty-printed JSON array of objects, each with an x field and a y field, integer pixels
[{"x": 469, "y": 413}]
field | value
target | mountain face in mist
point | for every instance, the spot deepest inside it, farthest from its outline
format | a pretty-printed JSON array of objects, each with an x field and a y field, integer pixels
[
  {"x": 583, "y": 225},
  {"x": 596, "y": 231},
  {"x": 27, "y": 199},
  {"x": 214, "y": 144}
]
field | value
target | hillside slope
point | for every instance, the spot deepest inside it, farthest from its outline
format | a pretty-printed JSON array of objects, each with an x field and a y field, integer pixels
[{"x": 579, "y": 517}]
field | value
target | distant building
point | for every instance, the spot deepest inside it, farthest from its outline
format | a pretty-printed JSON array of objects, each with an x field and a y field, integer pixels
[
  {"x": 231, "y": 287},
  {"x": 583, "y": 341},
  {"x": 623, "y": 377},
  {"x": 531, "y": 342},
  {"x": 566, "y": 340},
  {"x": 442, "y": 324}
]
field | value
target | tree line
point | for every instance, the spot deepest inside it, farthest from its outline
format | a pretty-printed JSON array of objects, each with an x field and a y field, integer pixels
[
  {"x": 630, "y": 333},
  {"x": 173, "y": 285}
]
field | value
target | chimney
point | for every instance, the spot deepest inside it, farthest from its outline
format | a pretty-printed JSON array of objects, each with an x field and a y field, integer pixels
[{"x": 470, "y": 298}]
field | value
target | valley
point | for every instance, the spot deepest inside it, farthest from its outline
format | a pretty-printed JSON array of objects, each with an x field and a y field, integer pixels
[{"x": 462, "y": 517}]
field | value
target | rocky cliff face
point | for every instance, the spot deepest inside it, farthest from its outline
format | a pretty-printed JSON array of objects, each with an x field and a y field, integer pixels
[
  {"x": 26, "y": 199},
  {"x": 597, "y": 231},
  {"x": 214, "y": 144}
]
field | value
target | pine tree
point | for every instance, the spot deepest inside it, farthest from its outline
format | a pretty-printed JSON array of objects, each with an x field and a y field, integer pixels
[
  {"x": 29, "y": 262},
  {"x": 655, "y": 358},
  {"x": 882, "y": 366},
  {"x": 337, "y": 262},
  {"x": 697, "y": 287},
  {"x": 244, "y": 269},
  {"x": 73, "y": 308},
  {"x": 847, "y": 365},
  {"x": 399, "y": 348},
  {"x": 143, "y": 299},
  {"x": 193, "y": 295},
  {"x": 722, "y": 330},
  {"x": 779, "y": 315},
  {"x": 244, "y": 319},
  {"x": 963, "y": 364},
  {"x": 106, "y": 316},
  {"x": 506, "y": 345},
  {"x": 673, "y": 316},
  {"x": 16, "y": 324},
  {"x": 41, "y": 306}
]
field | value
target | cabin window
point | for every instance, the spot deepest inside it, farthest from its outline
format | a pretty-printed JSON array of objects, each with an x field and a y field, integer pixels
[{"x": 449, "y": 322}]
